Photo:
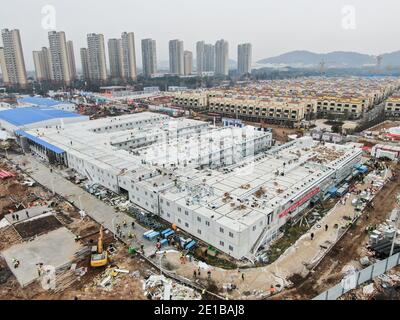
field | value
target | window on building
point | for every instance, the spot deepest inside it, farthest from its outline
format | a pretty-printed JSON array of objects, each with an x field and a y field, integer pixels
[
  {"x": 221, "y": 243},
  {"x": 231, "y": 234},
  {"x": 221, "y": 230}
]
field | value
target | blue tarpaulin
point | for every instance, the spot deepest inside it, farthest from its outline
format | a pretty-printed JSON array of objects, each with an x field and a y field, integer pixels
[
  {"x": 41, "y": 102},
  {"x": 362, "y": 169},
  {"x": 332, "y": 190},
  {"x": 39, "y": 141},
  {"x": 28, "y": 115}
]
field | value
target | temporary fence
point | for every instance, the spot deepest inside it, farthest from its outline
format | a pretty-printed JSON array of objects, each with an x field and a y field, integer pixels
[{"x": 353, "y": 280}]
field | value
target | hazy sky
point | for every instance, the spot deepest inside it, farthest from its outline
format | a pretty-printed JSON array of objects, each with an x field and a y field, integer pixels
[{"x": 273, "y": 27}]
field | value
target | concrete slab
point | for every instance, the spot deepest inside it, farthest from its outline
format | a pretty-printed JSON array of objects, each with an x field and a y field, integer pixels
[
  {"x": 32, "y": 212},
  {"x": 55, "y": 248}
]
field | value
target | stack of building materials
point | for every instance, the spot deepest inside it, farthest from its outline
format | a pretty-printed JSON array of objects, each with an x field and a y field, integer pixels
[{"x": 158, "y": 287}]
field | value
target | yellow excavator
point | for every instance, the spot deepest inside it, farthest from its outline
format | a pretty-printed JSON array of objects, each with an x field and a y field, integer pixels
[{"x": 99, "y": 256}]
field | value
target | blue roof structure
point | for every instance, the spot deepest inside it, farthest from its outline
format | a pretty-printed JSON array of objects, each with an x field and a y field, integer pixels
[
  {"x": 39, "y": 141},
  {"x": 41, "y": 102},
  {"x": 29, "y": 115}
]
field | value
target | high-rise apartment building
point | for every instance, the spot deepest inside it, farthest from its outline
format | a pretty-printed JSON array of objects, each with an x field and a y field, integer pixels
[
  {"x": 115, "y": 58},
  {"x": 3, "y": 67},
  {"x": 244, "y": 58},
  {"x": 209, "y": 58},
  {"x": 122, "y": 57},
  {"x": 42, "y": 62},
  {"x": 97, "y": 57},
  {"x": 221, "y": 57},
  {"x": 128, "y": 55},
  {"x": 188, "y": 62},
  {"x": 149, "y": 57},
  {"x": 200, "y": 57},
  {"x": 71, "y": 59},
  {"x": 13, "y": 63},
  {"x": 176, "y": 57},
  {"x": 85, "y": 63},
  {"x": 61, "y": 70}
]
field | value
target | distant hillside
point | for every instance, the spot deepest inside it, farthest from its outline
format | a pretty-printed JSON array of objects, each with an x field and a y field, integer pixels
[
  {"x": 336, "y": 59},
  {"x": 391, "y": 59}
]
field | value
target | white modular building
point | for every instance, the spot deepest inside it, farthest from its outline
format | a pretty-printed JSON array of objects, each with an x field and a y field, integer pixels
[{"x": 225, "y": 186}]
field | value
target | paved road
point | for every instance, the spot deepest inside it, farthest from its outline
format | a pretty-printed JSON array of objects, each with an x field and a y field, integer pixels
[{"x": 95, "y": 208}]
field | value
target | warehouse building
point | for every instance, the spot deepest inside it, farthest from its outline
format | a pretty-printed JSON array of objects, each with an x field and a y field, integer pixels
[{"x": 25, "y": 118}]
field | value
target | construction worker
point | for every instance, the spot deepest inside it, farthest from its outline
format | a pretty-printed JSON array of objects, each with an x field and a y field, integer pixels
[
  {"x": 242, "y": 276},
  {"x": 312, "y": 235},
  {"x": 326, "y": 227},
  {"x": 124, "y": 223},
  {"x": 209, "y": 274},
  {"x": 195, "y": 274},
  {"x": 17, "y": 216},
  {"x": 15, "y": 263},
  {"x": 39, "y": 269},
  {"x": 13, "y": 216},
  {"x": 130, "y": 236},
  {"x": 133, "y": 224},
  {"x": 272, "y": 290},
  {"x": 27, "y": 213}
]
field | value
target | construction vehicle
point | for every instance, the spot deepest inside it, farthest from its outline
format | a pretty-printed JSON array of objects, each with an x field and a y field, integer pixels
[{"x": 99, "y": 257}]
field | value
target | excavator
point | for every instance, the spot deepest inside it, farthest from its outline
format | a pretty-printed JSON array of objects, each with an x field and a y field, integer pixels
[{"x": 99, "y": 256}]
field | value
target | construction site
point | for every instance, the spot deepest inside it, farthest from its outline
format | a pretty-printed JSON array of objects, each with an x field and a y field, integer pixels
[{"x": 148, "y": 206}]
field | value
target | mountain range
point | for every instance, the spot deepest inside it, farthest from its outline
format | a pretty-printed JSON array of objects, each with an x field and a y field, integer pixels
[{"x": 336, "y": 59}]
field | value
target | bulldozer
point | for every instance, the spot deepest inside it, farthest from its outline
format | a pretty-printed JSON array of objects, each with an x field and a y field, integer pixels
[{"x": 99, "y": 257}]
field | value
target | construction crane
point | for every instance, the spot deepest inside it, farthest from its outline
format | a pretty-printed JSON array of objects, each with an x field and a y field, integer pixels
[
  {"x": 379, "y": 61},
  {"x": 99, "y": 257},
  {"x": 322, "y": 67}
]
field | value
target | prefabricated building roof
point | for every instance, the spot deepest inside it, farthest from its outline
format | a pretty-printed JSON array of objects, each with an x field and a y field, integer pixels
[
  {"x": 39, "y": 141},
  {"x": 29, "y": 115},
  {"x": 42, "y": 102}
]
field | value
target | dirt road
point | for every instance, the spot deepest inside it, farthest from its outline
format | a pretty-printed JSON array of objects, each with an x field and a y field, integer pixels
[{"x": 348, "y": 250}]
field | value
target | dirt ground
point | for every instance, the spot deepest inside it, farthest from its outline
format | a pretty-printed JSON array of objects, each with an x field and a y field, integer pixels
[
  {"x": 69, "y": 285},
  {"x": 37, "y": 227},
  {"x": 8, "y": 237},
  {"x": 348, "y": 250},
  {"x": 124, "y": 286},
  {"x": 279, "y": 133},
  {"x": 14, "y": 196}
]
